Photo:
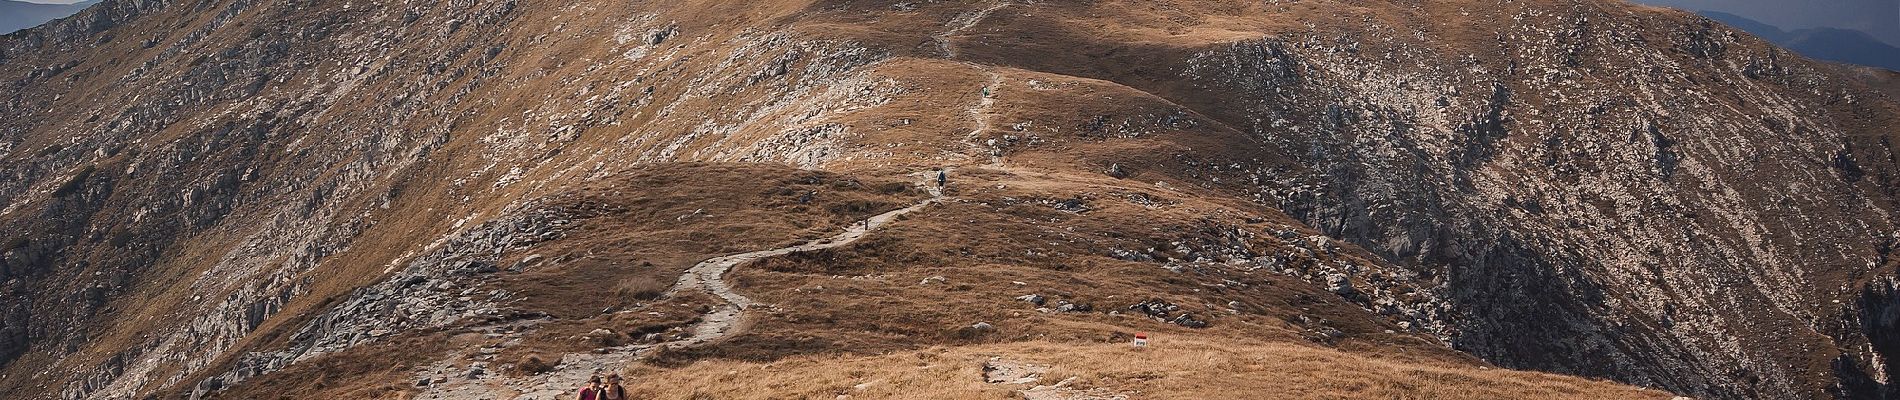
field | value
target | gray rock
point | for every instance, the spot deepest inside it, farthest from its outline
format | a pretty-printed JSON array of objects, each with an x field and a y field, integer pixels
[
  {"x": 1032, "y": 299},
  {"x": 1065, "y": 306},
  {"x": 1155, "y": 308},
  {"x": 1188, "y": 321},
  {"x": 1340, "y": 284}
]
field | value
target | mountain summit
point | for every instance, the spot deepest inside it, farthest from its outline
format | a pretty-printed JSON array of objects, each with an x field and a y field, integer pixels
[
  {"x": 17, "y": 15},
  {"x": 936, "y": 199}
]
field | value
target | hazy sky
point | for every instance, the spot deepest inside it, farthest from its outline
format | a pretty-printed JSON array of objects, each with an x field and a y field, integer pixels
[{"x": 1878, "y": 17}]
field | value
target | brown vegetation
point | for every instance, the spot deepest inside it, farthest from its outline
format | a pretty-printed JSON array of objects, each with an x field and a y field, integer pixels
[
  {"x": 1174, "y": 367},
  {"x": 1099, "y": 147}
]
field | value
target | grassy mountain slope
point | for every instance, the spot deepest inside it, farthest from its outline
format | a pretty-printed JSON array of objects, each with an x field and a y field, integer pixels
[{"x": 237, "y": 198}]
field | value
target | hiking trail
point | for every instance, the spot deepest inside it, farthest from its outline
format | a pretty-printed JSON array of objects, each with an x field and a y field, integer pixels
[
  {"x": 981, "y": 113},
  {"x": 963, "y": 21},
  {"x": 722, "y": 322},
  {"x": 708, "y": 276}
]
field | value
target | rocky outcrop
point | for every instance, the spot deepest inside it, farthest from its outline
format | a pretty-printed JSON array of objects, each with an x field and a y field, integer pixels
[
  {"x": 1586, "y": 214},
  {"x": 436, "y": 289}
]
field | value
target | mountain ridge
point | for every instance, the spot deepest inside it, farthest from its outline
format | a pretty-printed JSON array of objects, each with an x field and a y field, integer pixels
[
  {"x": 1831, "y": 44},
  {"x": 19, "y": 15},
  {"x": 1570, "y": 187}
]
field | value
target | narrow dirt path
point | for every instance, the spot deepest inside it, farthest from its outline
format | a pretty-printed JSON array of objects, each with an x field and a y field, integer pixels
[
  {"x": 962, "y": 22},
  {"x": 708, "y": 276},
  {"x": 981, "y": 113},
  {"x": 450, "y": 380}
]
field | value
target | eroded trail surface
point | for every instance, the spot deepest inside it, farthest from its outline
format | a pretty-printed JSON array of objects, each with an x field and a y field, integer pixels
[
  {"x": 980, "y": 112},
  {"x": 449, "y": 380},
  {"x": 962, "y": 22},
  {"x": 708, "y": 276}
]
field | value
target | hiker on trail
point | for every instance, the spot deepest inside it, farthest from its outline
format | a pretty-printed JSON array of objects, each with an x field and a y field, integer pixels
[
  {"x": 942, "y": 178},
  {"x": 593, "y": 391},
  {"x": 613, "y": 390}
]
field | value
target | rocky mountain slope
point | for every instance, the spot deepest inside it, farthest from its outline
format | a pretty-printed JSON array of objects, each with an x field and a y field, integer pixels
[{"x": 253, "y": 198}]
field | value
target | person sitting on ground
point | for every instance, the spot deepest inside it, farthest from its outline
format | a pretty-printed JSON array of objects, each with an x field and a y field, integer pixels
[
  {"x": 593, "y": 389},
  {"x": 613, "y": 390}
]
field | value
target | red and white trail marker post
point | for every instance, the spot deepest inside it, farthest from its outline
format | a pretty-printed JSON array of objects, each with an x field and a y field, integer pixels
[{"x": 1141, "y": 339}]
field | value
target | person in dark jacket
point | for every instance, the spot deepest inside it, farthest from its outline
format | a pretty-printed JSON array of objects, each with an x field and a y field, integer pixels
[{"x": 612, "y": 390}]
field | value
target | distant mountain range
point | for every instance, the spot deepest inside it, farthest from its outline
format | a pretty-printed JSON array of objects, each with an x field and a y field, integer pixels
[
  {"x": 17, "y": 15},
  {"x": 1831, "y": 44}
]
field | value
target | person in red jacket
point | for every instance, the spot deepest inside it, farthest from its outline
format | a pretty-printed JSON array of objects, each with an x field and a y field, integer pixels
[{"x": 593, "y": 389}]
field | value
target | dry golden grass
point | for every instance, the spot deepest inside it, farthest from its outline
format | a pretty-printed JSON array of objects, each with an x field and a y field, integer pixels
[
  {"x": 857, "y": 315},
  {"x": 995, "y": 242},
  {"x": 1185, "y": 367},
  {"x": 635, "y": 231},
  {"x": 1079, "y": 54}
]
